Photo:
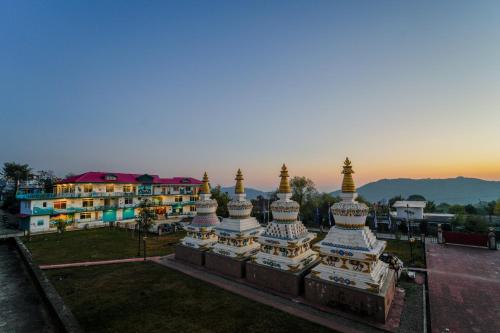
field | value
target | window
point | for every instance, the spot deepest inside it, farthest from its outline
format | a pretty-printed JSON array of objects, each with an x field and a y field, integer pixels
[
  {"x": 88, "y": 203},
  {"x": 129, "y": 201},
  {"x": 110, "y": 188},
  {"x": 193, "y": 198},
  {"x": 44, "y": 204},
  {"x": 192, "y": 208},
  {"x": 127, "y": 188},
  {"x": 39, "y": 223},
  {"x": 178, "y": 198},
  {"x": 87, "y": 188},
  {"x": 60, "y": 204},
  {"x": 85, "y": 216}
]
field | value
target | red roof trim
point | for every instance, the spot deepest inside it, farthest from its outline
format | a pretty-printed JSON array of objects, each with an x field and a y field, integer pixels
[{"x": 127, "y": 178}]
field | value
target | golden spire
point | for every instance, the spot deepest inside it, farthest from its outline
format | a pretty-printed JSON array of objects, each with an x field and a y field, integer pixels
[
  {"x": 284, "y": 184},
  {"x": 348, "y": 182},
  {"x": 239, "y": 189},
  {"x": 205, "y": 188}
]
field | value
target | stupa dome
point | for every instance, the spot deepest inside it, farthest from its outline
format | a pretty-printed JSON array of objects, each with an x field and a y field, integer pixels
[
  {"x": 239, "y": 207},
  {"x": 206, "y": 207}
]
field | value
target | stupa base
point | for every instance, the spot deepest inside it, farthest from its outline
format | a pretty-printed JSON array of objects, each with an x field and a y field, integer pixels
[
  {"x": 283, "y": 282},
  {"x": 365, "y": 303},
  {"x": 233, "y": 267},
  {"x": 190, "y": 255}
]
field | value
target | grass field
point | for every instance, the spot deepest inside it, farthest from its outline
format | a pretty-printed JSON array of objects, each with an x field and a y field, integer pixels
[
  {"x": 401, "y": 248},
  {"x": 146, "y": 297},
  {"x": 96, "y": 244}
]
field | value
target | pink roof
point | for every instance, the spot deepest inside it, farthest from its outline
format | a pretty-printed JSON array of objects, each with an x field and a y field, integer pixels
[{"x": 128, "y": 178}]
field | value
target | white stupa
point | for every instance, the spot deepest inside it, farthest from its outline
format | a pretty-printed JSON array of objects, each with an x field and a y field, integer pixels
[
  {"x": 200, "y": 233},
  {"x": 285, "y": 244},
  {"x": 238, "y": 233},
  {"x": 350, "y": 252}
]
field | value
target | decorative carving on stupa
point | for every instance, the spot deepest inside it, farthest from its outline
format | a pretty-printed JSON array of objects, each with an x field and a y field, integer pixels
[
  {"x": 350, "y": 252},
  {"x": 200, "y": 233},
  {"x": 285, "y": 244},
  {"x": 237, "y": 234}
]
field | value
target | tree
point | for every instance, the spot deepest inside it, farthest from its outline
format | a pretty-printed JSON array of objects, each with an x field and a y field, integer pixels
[
  {"x": 47, "y": 179},
  {"x": 222, "y": 199},
  {"x": 16, "y": 173},
  {"x": 394, "y": 199},
  {"x": 469, "y": 209},
  {"x": 144, "y": 220},
  {"x": 430, "y": 207},
  {"x": 496, "y": 209},
  {"x": 456, "y": 209},
  {"x": 416, "y": 197},
  {"x": 303, "y": 190},
  {"x": 475, "y": 223}
]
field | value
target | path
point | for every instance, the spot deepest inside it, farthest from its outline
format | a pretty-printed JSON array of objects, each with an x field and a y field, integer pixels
[
  {"x": 21, "y": 308},
  {"x": 464, "y": 288},
  {"x": 96, "y": 263}
]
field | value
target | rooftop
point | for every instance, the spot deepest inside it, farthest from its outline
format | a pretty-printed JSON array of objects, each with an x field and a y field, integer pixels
[
  {"x": 127, "y": 178},
  {"x": 409, "y": 204}
]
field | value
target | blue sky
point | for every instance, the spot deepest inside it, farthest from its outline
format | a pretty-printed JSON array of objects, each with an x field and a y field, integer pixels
[{"x": 179, "y": 87}]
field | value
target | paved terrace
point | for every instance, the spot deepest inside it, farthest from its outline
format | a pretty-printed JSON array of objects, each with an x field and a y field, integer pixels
[
  {"x": 21, "y": 308},
  {"x": 464, "y": 288}
]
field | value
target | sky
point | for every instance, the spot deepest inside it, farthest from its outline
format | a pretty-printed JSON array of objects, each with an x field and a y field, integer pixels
[{"x": 405, "y": 89}]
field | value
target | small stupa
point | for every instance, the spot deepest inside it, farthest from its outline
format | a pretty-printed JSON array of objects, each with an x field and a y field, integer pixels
[
  {"x": 200, "y": 233},
  {"x": 350, "y": 252},
  {"x": 237, "y": 234},
  {"x": 285, "y": 244}
]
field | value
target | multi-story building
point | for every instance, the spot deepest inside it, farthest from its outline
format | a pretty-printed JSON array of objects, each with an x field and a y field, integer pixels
[{"x": 97, "y": 198}]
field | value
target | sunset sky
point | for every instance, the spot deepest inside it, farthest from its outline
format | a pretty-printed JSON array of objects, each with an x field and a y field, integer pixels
[{"x": 179, "y": 87}]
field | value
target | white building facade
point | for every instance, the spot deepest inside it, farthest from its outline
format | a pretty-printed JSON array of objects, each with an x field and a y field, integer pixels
[{"x": 99, "y": 198}]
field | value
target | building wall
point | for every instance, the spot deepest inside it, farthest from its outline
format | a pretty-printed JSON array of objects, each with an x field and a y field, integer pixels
[{"x": 418, "y": 213}]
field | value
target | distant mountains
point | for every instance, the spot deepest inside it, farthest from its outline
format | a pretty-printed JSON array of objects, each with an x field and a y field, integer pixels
[
  {"x": 458, "y": 190},
  {"x": 251, "y": 192}
]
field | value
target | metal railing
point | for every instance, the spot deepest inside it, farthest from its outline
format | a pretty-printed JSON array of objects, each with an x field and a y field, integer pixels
[{"x": 72, "y": 195}]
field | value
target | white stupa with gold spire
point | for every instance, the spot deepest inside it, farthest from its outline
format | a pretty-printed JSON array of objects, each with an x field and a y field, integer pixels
[
  {"x": 200, "y": 233},
  {"x": 350, "y": 252},
  {"x": 285, "y": 244},
  {"x": 238, "y": 233}
]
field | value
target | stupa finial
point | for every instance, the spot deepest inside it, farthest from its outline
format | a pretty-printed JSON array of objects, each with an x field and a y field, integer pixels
[
  {"x": 239, "y": 188},
  {"x": 348, "y": 183},
  {"x": 205, "y": 188},
  {"x": 284, "y": 184}
]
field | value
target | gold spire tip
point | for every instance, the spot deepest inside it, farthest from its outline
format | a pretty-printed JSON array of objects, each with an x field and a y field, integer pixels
[
  {"x": 348, "y": 182},
  {"x": 239, "y": 189},
  {"x": 205, "y": 189},
  {"x": 284, "y": 184}
]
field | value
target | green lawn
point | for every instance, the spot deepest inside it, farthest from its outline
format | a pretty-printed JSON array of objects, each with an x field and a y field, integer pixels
[
  {"x": 147, "y": 297},
  {"x": 95, "y": 244},
  {"x": 401, "y": 248}
]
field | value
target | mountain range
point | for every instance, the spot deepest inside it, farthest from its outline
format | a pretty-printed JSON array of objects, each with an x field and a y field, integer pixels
[{"x": 459, "y": 190}]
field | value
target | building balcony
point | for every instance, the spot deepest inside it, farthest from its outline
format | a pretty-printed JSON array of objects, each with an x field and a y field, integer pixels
[
  {"x": 72, "y": 195},
  {"x": 70, "y": 210}
]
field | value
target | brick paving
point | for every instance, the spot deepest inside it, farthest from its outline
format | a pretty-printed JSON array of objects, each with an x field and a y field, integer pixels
[{"x": 464, "y": 288}]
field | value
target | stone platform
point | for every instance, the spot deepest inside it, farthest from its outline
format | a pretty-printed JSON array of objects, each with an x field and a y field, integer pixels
[
  {"x": 225, "y": 265},
  {"x": 358, "y": 301},
  {"x": 190, "y": 255},
  {"x": 283, "y": 282}
]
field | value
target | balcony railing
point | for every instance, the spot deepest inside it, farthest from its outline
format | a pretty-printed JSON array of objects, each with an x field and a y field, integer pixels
[
  {"x": 69, "y": 210},
  {"x": 71, "y": 195}
]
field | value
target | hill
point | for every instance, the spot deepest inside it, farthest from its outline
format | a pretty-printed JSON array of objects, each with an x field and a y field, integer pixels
[
  {"x": 251, "y": 192},
  {"x": 458, "y": 190}
]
